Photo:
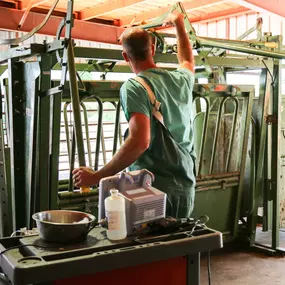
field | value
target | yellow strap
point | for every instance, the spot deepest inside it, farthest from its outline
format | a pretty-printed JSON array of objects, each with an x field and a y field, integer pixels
[{"x": 155, "y": 104}]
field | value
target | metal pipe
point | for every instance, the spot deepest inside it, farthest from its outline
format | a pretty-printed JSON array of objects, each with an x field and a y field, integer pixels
[
  {"x": 31, "y": 4},
  {"x": 103, "y": 146},
  {"x": 246, "y": 119},
  {"x": 250, "y": 50},
  {"x": 229, "y": 155},
  {"x": 117, "y": 122},
  {"x": 80, "y": 207},
  {"x": 218, "y": 126},
  {"x": 66, "y": 125},
  {"x": 71, "y": 162},
  {"x": 120, "y": 135},
  {"x": 74, "y": 94},
  {"x": 204, "y": 134},
  {"x": 78, "y": 201},
  {"x": 23, "y": 38},
  {"x": 214, "y": 181},
  {"x": 217, "y": 176},
  {"x": 216, "y": 187},
  {"x": 252, "y": 168},
  {"x": 64, "y": 181},
  {"x": 87, "y": 132},
  {"x": 76, "y": 194},
  {"x": 75, "y": 105},
  {"x": 99, "y": 131},
  {"x": 62, "y": 187}
]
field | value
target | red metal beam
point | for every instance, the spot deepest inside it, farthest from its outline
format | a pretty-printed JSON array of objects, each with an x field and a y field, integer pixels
[
  {"x": 28, "y": 4},
  {"x": 82, "y": 30},
  {"x": 275, "y": 7}
]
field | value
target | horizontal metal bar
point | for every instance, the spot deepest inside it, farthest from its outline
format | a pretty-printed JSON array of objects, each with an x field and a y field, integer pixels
[
  {"x": 69, "y": 202},
  {"x": 52, "y": 91},
  {"x": 249, "y": 50},
  {"x": 55, "y": 45},
  {"x": 226, "y": 186},
  {"x": 218, "y": 176},
  {"x": 214, "y": 181},
  {"x": 116, "y": 55},
  {"x": 77, "y": 194},
  {"x": 24, "y": 51}
]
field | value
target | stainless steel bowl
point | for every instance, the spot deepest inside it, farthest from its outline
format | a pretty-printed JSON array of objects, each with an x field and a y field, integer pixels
[{"x": 61, "y": 226}]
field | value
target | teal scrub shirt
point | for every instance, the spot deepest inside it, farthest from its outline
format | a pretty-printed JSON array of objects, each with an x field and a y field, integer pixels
[{"x": 173, "y": 89}]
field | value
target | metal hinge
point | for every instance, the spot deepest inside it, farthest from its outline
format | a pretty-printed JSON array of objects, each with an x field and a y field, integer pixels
[
  {"x": 271, "y": 119},
  {"x": 269, "y": 183}
]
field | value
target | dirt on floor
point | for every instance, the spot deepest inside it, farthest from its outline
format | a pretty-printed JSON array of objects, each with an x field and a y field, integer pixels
[{"x": 236, "y": 267}]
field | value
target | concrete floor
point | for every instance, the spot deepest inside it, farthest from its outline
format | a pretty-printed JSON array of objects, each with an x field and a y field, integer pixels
[{"x": 240, "y": 267}]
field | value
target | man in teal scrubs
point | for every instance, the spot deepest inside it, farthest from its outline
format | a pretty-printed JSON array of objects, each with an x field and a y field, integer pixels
[{"x": 149, "y": 145}]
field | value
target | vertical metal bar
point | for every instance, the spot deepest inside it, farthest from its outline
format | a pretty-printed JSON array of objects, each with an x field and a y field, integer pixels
[
  {"x": 68, "y": 28},
  {"x": 87, "y": 133},
  {"x": 275, "y": 164},
  {"x": 7, "y": 156},
  {"x": 43, "y": 168},
  {"x": 55, "y": 147},
  {"x": 204, "y": 135},
  {"x": 117, "y": 122},
  {"x": 265, "y": 187},
  {"x": 230, "y": 150},
  {"x": 198, "y": 104},
  {"x": 252, "y": 168},
  {"x": 193, "y": 269},
  {"x": 66, "y": 126},
  {"x": 16, "y": 128},
  {"x": 246, "y": 119},
  {"x": 6, "y": 92},
  {"x": 261, "y": 114},
  {"x": 4, "y": 206},
  {"x": 216, "y": 136},
  {"x": 120, "y": 134},
  {"x": 99, "y": 131},
  {"x": 71, "y": 162},
  {"x": 34, "y": 151},
  {"x": 75, "y": 105},
  {"x": 103, "y": 147}
]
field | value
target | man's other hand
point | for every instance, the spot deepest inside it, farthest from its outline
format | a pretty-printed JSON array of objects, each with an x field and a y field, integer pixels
[
  {"x": 85, "y": 177},
  {"x": 174, "y": 18}
]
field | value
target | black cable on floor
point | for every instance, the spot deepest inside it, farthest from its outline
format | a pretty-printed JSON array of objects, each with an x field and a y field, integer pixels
[{"x": 209, "y": 267}]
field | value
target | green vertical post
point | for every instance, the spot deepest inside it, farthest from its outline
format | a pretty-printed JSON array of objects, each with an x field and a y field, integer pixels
[
  {"x": 42, "y": 196},
  {"x": 31, "y": 90},
  {"x": 4, "y": 205},
  {"x": 75, "y": 105},
  {"x": 116, "y": 131},
  {"x": 55, "y": 146},
  {"x": 100, "y": 135},
  {"x": 7, "y": 156},
  {"x": 261, "y": 112},
  {"x": 275, "y": 164},
  {"x": 17, "y": 147},
  {"x": 246, "y": 118},
  {"x": 85, "y": 116}
]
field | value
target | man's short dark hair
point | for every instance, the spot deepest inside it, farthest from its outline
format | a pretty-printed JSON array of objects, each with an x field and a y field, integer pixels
[{"x": 136, "y": 43}]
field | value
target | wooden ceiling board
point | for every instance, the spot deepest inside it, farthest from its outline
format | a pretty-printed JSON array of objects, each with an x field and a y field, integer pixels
[{"x": 126, "y": 10}]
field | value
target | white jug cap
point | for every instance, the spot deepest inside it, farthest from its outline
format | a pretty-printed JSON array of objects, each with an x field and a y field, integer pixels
[{"x": 114, "y": 192}]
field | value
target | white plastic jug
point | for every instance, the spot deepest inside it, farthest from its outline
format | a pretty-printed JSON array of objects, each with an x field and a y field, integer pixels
[{"x": 116, "y": 216}]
